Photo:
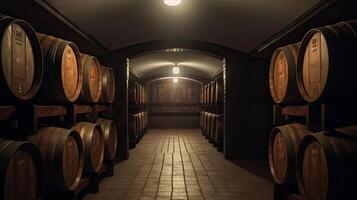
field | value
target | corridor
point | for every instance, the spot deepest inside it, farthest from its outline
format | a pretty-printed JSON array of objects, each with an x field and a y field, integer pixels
[{"x": 181, "y": 164}]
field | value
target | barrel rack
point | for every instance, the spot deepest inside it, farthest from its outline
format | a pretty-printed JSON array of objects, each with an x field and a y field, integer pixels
[
  {"x": 317, "y": 118},
  {"x": 26, "y": 119}
]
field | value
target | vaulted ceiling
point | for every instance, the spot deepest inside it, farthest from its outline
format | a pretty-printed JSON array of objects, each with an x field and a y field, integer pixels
[
  {"x": 238, "y": 24},
  {"x": 192, "y": 64}
]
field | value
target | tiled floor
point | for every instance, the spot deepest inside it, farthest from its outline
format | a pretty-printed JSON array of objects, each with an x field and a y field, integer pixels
[{"x": 181, "y": 164}]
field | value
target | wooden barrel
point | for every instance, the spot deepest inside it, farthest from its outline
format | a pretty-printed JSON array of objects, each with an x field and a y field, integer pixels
[
  {"x": 325, "y": 67},
  {"x": 132, "y": 92},
  {"x": 213, "y": 92},
  {"x": 283, "y": 147},
  {"x": 110, "y": 138},
  {"x": 108, "y": 85},
  {"x": 20, "y": 60},
  {"x": 132, "y": 128},
  {"x": 93, "y": 145},
  {"x": 219, "y": 132},
  {"x": 282, "y": 75},
  {"x": 205, "y": 95},
  {"x": 327, "y": 163},
  {"x": 212, "y": 128},
  {"x": 208, "y": 125},
  {"x": 92, "y": 79},
  {"x": 62, "y": 81},
  {"x": 22, "y": 171},
  {"x": 63, "y": 153}
]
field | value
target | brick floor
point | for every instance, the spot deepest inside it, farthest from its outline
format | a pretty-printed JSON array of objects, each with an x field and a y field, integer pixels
[{"x": 181, "y": 164}]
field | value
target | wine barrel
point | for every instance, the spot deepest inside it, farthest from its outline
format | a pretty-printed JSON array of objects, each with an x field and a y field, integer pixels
[
  {"x": 213, "y": 92},
  {"x": 20, "y": 60},
  {"x": 133, "y": 135},
  {"x": 212, "y": 132},
  {"x": 92, "y": 79},
  {"x": 219, "y": 133},
  {"x": 93, "y": 145},
  {"x": 327, "y": 163},
  {"x": 62, "y": 81},
  {"x": 282, "y": 75},
  {"x": 110, "y": 138},
  {"x": 63, "y": 153},
  {"x": 208, "y": 125},
  {"x": 22, "y": 171},
  {"x": 283, "y": 147},
  {"x": 205, "y": 95},
  {"x": 108, "y": 85},
  {"x": 326, "y": 63},
  {"x": 132, "y": 92}
]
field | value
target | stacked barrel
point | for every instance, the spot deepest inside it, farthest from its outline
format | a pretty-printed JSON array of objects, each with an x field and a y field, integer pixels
[
  {"x": 46, "y": 70},
  {"x": 319, "y": 164},
  {"x": 137, "y": 127},
  {"x": 211, "y": 116},
  {"x": 138, "y": 94}
]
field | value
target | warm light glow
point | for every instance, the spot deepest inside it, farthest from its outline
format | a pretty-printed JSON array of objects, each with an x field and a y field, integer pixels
[
  {"x": 176, "y": 70},
  {"x": 174, "y": 79},
  {"x": 172, "y": 2}
]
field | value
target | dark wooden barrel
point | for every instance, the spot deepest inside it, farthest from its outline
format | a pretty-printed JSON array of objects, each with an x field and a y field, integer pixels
[
  {"x": 205, "y": 94},
  {"x": 132, "y": 129},
  {"x": 201, "y": 121},
  {"x": 212, "y": 132},
  {"x": 108, "y": 85},
  {"x": 283, "y": 147},
  {"x": 63, "y": 153},
  {"x": 110, "y": 138},
  {"x": 324, "y": 71},
  {"x": 93, "y": 145},
  {"x": 132, "y": 92},
  {"x": 208, "y": 125},
  {"x": 219, "y": 132},
  {"x": 327, "y": 163},
  {"x": 22, "y": 171},
  {"x": 213, "y": 92},
  {"x": 92, "y": 79},
  {"x": 20, "y": 60},
  {"x": 282, "y": 75},
  {"x": 62, "y": 81}
]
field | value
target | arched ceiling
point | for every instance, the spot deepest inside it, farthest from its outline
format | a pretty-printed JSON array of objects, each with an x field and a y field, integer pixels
[
  {"x": 191, "y": 63},
  {"x": 239, "y": 24}
]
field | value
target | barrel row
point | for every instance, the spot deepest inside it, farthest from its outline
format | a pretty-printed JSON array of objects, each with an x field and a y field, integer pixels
[
  {"x": 212, "y": 128},
  {"x": 53, "y": 160},
  {"x": 47, "y": 69},
  {"x": 320, "y": 165},
  {"x": 212, "y": 93},
  {"x": 137, "y": 126},
  {"x": 137, "y": 93},
  {"x": 320, "y": 68}
]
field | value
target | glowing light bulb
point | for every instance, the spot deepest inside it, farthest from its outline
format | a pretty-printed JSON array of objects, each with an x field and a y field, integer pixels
[
  {"x": 172, "y": 2},
  {"x": 176, "y": 70}
]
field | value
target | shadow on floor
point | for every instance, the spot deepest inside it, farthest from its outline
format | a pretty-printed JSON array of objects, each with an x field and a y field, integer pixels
[{"x": 259, "y": 168}]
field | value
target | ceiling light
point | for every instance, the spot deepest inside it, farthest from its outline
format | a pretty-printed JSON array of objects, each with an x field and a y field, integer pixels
[
  {"x": 174, "y": 79},
  {"x": 172, "y": 2},
  {"x": 175, "y": 70}
]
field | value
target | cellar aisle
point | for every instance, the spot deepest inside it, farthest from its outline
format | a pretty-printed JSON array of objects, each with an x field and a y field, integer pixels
[{"x": 181, "y": 164}]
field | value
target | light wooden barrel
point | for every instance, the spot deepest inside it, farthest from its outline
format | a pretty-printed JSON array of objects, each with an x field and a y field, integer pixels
[
  {"x": 282, "y": 75},
  {"x": 92, "y": 79},
  {"x": 63, "y": 71},
  {"x": 20, "y": 61},
  {"x": 110, "y": 138},
  {"x": 108, "y": 85},
  {"x": 327, "y": 163},
  {"x": 63, "y": 152},
  {"x": 283, "y": 147},
  {"x": 326, "y": 64},
  {"x": 22, "y": 171},
  {"x": 93, "y": 145}
]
